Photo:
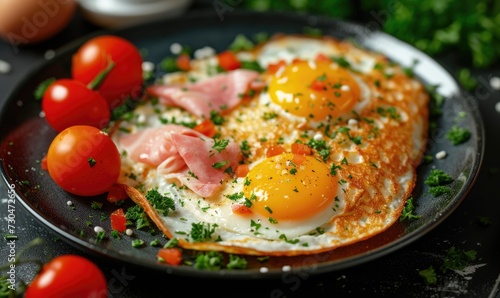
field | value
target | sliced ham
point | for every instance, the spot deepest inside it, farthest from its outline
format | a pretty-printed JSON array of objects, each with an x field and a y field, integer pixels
[
  {"x": 218, "y": 93},
  {"x": 184, "y": 154}
]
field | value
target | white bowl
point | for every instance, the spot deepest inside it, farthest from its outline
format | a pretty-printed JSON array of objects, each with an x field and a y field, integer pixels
[{"x": 121, "y": 13}]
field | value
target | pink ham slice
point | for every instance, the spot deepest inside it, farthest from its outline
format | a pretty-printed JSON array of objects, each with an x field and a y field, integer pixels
[
  {"x": 184, "y": 154},
  {"x": 217, "y": 93}
]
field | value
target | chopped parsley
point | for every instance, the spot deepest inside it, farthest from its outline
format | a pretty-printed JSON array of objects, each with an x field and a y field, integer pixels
[
  {"x": 137, "y": 243},
  {"x": 236, "y": 262},
  {"x": 438, "y": 177},
  {"x": 341, "y": 61},
  {"x": 269, "y": 115},
  {"x": 439, "y": 190},
  {"x": 407, "y": 213},
  {"x": 202, "y": 231},
  {"x": 437, "y": 180},
  {"x": 346, "y": 130},
  {"x": 457, "y": 259},
  {"x": 135, "y": 215},
  {"x": 251, "y": 65},
  {"x": 115, "y": 234},
  {"x": 245, "y": 148},
  {"x": 216, "y": 118},
  {"x": 96, "y": 205},
  {"x": 173, "y": 242},
  {"x": 458, "y": 135},
  {"x": 220, "y": 145},
  {"x": 241, "y": 43},
  {"x": 162, "y": 204},
  {"x": 220, "y": 164},
  {"x": 100, "y": 236},
  {"x": 155, "y": 243},
  {"x": 211, "y": 260},
  {"x": 429, "y": 275},
  {"x": 334, "y": 168},
  {"x": 321, "y": 147}
]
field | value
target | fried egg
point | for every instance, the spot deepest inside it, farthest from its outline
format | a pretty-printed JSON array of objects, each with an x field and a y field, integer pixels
[{"x": 330, "y": 135}]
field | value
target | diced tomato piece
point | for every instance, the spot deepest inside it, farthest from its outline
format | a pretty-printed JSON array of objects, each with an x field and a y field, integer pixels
[
  {"x": 171, "y": 256},
  {"x": 274, "y": 150},
  {"x": 240, "y": 209},
  {"x": 318, "y": 85},
  {"x": 322, "y": 58},
  {"x": 298, "y": 159},
  {"x": 206, "y": 127},
  {"x": 116, "y": 194},
  {"x": 273, "y": 68},
  {"x": 228, "y": 60},
  {"x": 301, "y": 149},
  {"x": 118, "y": 220},
  {"x": 183, "y": 62},
  {"x": 242, "y": 170}
]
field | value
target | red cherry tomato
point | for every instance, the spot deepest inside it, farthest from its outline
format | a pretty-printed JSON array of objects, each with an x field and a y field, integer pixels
[
  {"x": 83, "y": 160},
  {"x": 68, "y": 102},
  {"x": 124, "y": 80},
  {"x": 68, "y": 276}
]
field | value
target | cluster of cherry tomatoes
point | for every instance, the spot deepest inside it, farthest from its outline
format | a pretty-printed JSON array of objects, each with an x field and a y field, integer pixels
[{"x": 82, "y": 159}]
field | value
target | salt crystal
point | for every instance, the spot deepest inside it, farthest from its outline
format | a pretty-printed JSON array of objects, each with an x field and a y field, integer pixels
[
  {"x": 495, "y": 83},
  {"x": 4, "y": 67},
  {"x": 441, "y": 154}
]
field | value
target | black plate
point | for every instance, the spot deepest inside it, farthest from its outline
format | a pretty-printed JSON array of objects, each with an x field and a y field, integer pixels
[{"x": 25, "y": 138}]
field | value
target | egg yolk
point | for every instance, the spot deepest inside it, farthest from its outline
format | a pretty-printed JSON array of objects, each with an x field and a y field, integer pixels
[
  {"x": 290, "y": 187},
  {"x": 314, "y": 89}
]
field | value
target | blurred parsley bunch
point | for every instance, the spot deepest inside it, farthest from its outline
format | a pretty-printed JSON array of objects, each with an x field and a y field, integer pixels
[
  {"x": 469, "y": 28},
  {"x": 333, "y": 8}
]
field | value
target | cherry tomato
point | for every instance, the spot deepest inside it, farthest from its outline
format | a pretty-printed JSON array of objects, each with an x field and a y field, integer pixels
[
  {"x": 68, "y": 276},
  {"x": 124, "y": 80},
  {"x": 118, "y": 220},
  {"x": 83, "y": 160},
  {"x": 68, "y": 102}
]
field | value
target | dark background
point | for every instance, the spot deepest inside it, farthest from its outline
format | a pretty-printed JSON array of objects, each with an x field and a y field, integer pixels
[{"x": 395, "y": 275}]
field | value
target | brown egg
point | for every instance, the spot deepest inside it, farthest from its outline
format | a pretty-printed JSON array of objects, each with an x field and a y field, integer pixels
[{"x": 31, "y": 21}]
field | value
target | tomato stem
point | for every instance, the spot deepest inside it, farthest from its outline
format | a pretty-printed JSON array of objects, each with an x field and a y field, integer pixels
[{"x": 99, "y": 79}]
